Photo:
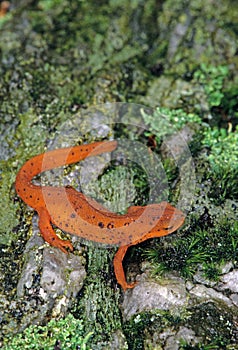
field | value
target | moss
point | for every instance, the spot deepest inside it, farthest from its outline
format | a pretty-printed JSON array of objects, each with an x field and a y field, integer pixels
[
  {"x": 97, "y": 306},
  {"x": 57, "y": 57},
  {"x": 209, "y": 247},
  {"x": 217, "y": 329},
  {"x": 144, "y": 325},
  {"x": 222, "y": 154},
  {"x": 223, "y": 149},
  {"x": 212, "y": 78},
  {"x": 216, "y": 326},
  {"x": 188, "y": 38},
  {"x": 216, "y": 160},
  {"x": 130, "y": 179},
  {"x": 229, "y": 101},
  {"x": 25, "y": 143},
  {"x": 165, "y": 121},
  {"x": 67, "y": 333},
  {"x": 7, "y": 221}
]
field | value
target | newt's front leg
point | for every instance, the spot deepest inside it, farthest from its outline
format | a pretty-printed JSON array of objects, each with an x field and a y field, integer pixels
[
  {"x": 118, "y": 268},
  {"x": 48, "y": 232}
]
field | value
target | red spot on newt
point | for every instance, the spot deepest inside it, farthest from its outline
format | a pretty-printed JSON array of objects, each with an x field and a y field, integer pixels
[{"x": 77, "y": 214}]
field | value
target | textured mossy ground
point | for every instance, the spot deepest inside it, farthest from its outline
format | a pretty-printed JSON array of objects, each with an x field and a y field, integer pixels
[{"x": 57, "y": 57}]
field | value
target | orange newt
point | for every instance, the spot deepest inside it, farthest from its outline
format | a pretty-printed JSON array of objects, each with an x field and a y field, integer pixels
[
  {"x": 4, "y": 7},
  {"x": 80, "y": 215}
]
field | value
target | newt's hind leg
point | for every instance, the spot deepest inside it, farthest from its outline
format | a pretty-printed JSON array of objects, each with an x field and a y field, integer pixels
[
  {"x": 49, "y": 234},
  {"x": 118, "y": 268}
]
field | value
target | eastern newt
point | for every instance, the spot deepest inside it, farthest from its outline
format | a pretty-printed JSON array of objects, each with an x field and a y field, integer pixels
[
  {"x": 4, "y": 7},
  {"x": 78, "y": 214}
]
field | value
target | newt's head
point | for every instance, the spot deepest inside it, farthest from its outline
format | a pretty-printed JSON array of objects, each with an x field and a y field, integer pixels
[
  {"x": 164, "y": 219},
  {"x": 153, "y": 220},
  {"x": 171, "y": 219}
]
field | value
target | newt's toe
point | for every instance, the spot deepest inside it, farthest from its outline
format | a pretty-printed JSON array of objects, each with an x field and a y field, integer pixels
[
  {"x": 63, "y": 245},
  {"x": 128, "y": 286}
]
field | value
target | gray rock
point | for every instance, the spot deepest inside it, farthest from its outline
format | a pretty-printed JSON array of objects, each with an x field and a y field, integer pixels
[
  {"x": 226, "y": 267},
  {"x": 50, "y": 269},
  {"x": 32, "y": 260},
  {"x": 151, "y": 295},
  {"x": 200, "y": 278},
  {"x": 49, "y": 280},
  {"x": 118, "y": 341},
  {"x": 209, "y": 294},
  {"x": 234, "y": 298},
  {"x": 230, "y": 281},
  {"x": 62, "y": 274},
  {"x": 173, "y": 342}
]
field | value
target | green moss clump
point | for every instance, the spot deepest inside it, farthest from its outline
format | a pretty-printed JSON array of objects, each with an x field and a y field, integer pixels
[
  {"x": 28, "y": 141},
  {"x": 98, "y": 304},
  {"x": 223, "y": 149},
  {"x": 217, "y": 328},
  {"x": 222, "y": 154},
  {"x": 165, "y": 121},
  {"x": 212, "y": 79},
  {"x": 209, "y": 247},
  {"x": 145, "y": 324},
  {"x": 124, "y": 185},
  {"x": 67, "y": 332},
  {"x": 216, "y": 154},
  {"x": 121, "y": 185}
]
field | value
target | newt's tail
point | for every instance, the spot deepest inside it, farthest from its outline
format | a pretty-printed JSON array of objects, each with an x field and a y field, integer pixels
[{"x": 57, "y": 158}]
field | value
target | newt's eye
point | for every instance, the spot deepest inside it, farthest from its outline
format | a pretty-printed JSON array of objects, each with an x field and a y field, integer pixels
[{"x": 101, "y": 224}]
